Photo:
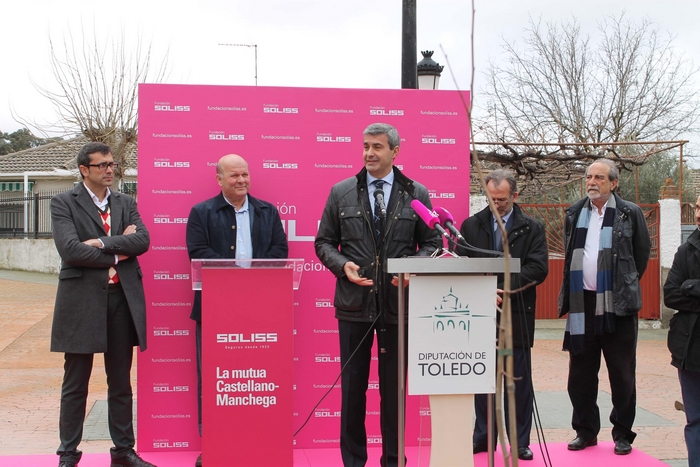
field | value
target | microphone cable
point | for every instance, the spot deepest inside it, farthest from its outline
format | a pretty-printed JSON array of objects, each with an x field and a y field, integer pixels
[
  {"x": 470, "y": 247},
  {"x": 539, "y": 430},
  {"x": 370, "y": 330}
]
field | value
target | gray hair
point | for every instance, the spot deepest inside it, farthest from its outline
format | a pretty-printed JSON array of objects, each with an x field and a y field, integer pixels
[
  {"x": 384, "y": 129},
  {"x": 614, "y": 173},
  {"x": 498, "y": 175}
]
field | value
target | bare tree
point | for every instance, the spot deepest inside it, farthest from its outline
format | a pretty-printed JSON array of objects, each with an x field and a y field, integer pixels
[
  {"x": 96, "y": 90},
  {"x": 632, "y": 86}
]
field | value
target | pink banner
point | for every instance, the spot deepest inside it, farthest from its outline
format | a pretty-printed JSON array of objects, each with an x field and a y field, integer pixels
[
  {"x": 247, "y": 366},
  {"x": 298, "y": 143}
]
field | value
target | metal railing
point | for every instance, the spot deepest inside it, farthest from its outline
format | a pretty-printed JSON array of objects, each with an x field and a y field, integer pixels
[{"x": 30, "y": 216}]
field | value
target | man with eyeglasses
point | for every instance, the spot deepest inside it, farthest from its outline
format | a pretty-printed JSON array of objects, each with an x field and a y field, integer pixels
[
  {"x": 100, "y": 304},
  {"x": 232, "y": 224},
  {"x": 527, "y": 241},
  {"x": 607, "y": 250}
]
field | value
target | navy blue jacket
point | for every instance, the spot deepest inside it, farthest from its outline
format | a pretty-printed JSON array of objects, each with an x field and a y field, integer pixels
[{"x": 210, "y": 234}]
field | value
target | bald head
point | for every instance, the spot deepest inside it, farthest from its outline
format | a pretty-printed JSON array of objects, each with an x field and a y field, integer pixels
[
  {"x": 234, "y": 179},
  {"x": 230, "y": 160}
]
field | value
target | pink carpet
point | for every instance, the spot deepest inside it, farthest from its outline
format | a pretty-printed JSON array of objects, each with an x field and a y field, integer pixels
[{"x": 600, "y": 455}]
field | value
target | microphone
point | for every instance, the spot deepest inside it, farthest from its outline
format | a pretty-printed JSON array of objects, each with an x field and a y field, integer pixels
[
  {"x": 447, "y": 220},
  {"x": 379, "y": 198},
  {"x": 429, "y": 217},
  {"x": 444, "y": 217}
]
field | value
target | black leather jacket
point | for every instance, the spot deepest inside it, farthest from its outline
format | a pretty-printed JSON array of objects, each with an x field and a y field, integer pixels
[
  {"x": 631, "y": 247},
  {"x": 346, "y": 234}
]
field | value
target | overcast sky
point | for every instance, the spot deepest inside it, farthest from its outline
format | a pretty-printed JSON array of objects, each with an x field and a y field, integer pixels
[{"x": 330, "y": 43}]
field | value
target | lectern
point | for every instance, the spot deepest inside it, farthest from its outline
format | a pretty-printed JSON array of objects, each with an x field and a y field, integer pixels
[
  {"x": 451, "y": 345},
  {"x": 247, "y": 360}
]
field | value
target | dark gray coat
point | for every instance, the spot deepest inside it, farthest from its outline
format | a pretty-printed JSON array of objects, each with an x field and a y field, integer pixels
[{"x": 80, "y": 314}]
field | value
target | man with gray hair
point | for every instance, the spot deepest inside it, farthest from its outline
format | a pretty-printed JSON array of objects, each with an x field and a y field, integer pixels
[
  {"x": 607, "y": 250},
  {"x": 527, "y": 241},
  {"x": 358, "y": 232}
]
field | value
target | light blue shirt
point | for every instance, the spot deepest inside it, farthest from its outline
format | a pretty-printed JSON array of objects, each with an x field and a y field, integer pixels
[
  {"x": 504, "y": 218},
  {"x": 388, "y": 182},
  {"x": 244, "y": 243}
]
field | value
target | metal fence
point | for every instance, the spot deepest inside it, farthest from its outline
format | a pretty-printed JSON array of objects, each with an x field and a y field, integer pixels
[{"x": 30, "y": 216}]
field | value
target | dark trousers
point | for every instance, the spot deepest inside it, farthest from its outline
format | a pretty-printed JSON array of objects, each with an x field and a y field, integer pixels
[
  {"x": 524, "y": 395},
  {"x": 619, "y": 350},
  {"x": 353, "y": 435},
  {"x": 690, "y": 388},
  {"x": 121, "y": 336}
]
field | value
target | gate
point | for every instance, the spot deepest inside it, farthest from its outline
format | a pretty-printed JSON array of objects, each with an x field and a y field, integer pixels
[{"x": 552, "y": 216}]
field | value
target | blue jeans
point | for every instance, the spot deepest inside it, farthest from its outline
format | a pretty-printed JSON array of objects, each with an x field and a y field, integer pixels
[{"x": 690, "y": 388}]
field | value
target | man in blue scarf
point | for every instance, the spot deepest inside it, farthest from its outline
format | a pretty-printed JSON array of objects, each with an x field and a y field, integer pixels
[{"x": 607, "y": 250}]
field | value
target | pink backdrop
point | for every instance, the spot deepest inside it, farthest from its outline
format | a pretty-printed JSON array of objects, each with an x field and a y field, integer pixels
[{"x": 298, "y": 143}]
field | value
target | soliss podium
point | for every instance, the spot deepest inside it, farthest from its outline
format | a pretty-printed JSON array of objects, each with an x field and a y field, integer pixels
[
  {"x": 451, "y": 345},
  {"x": 247, "y": 360}
]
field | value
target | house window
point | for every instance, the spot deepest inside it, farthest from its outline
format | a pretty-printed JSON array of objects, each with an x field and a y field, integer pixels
[
  {"x": 15, "y": 186},
  {"x": 129, "y": 187}
]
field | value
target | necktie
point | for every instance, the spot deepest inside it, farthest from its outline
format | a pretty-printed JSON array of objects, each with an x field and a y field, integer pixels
[
  {"x": 378, "y": 185},
  {"x": 497, "y": 238}
]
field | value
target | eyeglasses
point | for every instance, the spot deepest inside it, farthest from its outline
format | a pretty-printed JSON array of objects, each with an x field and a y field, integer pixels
[
  {"x": 502, "y": 200},
  {"x": 103, "y": 165}
]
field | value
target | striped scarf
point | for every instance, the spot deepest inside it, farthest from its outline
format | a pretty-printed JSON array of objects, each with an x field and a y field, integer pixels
[{"x": 604, "y": 308}]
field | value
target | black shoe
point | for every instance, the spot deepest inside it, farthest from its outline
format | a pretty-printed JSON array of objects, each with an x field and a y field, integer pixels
[
  {"x": 130, "y": 460},
  {"x": 524, "y": 453},
  {"x": 198, "y": 462},
  {"x": 67, "y": 464},
  {"x": 480, "y": 448},
  {"x": 579, "y": 444},
  {"x": 622, "y": 447}
]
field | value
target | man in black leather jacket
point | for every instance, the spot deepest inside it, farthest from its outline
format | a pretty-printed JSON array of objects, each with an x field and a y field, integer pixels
[{"x": 354, "y": 246}]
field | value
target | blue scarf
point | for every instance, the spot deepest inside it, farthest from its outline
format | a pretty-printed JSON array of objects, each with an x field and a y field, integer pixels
[{"x": 604, "y": 307}]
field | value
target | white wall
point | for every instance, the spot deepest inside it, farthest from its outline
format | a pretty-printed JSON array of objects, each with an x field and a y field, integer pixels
[
  {"x": 29, "y": 255},
  {"x": 669, "y": 230},
  {"x": 476, "y": 204}
]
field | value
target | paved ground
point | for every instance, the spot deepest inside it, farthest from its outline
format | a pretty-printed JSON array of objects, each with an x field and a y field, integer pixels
[{"x": 30, "y": 379}]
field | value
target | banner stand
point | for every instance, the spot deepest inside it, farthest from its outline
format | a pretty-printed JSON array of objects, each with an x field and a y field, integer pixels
[{"x": 247, "y": 360}]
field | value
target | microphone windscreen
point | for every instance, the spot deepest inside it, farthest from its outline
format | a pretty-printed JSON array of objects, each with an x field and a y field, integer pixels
[
  {"x": 428, "y": 216},
  {"x": 444, "y": 215}
]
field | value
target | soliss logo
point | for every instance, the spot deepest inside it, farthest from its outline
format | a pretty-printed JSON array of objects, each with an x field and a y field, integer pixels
[
  {"x": 222, "y": 137},
  {"x": 172, "y": 108},
  {"x": 171, "y": 164},
  {"x": 386, "y": 112},
  {"x": 277, "y": 110}
]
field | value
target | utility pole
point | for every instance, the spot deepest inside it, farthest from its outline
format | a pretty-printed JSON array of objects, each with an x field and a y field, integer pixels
[
  {"x": 255, "y": 48},
  {"x": 409, "y": 78}
]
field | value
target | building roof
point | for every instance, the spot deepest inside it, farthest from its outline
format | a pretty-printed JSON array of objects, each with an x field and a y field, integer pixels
[{"x": 54, "y": 157}]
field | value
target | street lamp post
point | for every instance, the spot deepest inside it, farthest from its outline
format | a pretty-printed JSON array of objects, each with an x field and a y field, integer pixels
[{"x": 428, "y": 71}]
